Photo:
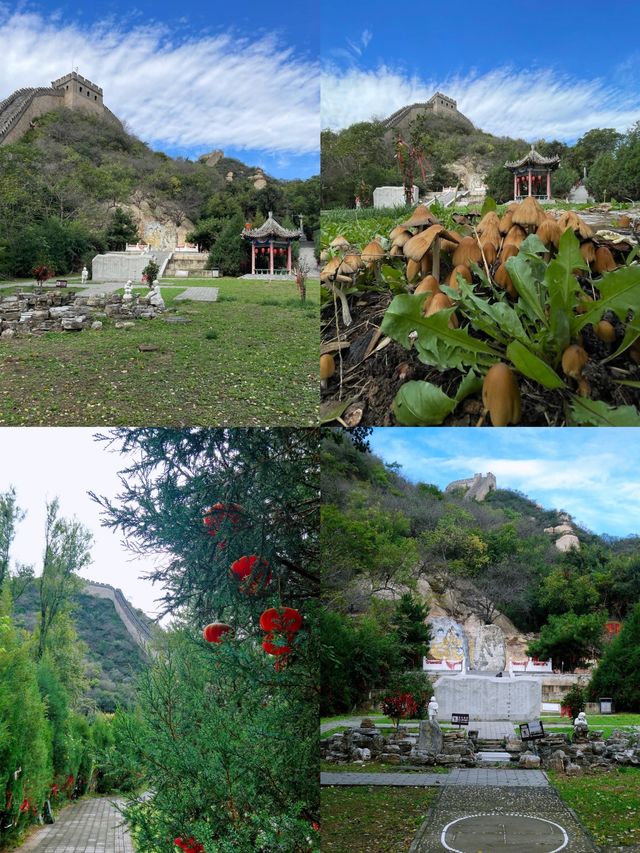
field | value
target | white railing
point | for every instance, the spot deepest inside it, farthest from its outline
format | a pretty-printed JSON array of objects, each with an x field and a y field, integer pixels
[
  {"x": 530, "y": 665},
  {"x": 434, "y": 665}
]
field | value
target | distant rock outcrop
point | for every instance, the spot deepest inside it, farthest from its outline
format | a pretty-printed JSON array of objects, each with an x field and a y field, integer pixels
[
  {"x": 567, "y": 537},
  {"x": 476, "y": 487}
]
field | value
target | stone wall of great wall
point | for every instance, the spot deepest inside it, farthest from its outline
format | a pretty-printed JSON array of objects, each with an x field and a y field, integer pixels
[
  {"x": 476, "y": 487},
  {"x": 132, "y": 622}
]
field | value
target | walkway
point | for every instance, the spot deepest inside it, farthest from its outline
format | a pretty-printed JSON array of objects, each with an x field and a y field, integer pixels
[
  {"x": 89, "y": 826},
  {"x": 459, "y": 777},
  {"x": 497, "y": 820}
]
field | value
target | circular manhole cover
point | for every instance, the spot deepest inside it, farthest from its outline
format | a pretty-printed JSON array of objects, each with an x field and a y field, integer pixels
[{"x": 494, "y": 833}]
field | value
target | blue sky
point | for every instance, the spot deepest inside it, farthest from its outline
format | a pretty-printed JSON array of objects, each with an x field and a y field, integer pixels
[
  {"x": 186, "y": 77},
  {"x": 593, "y": 474},
  {"x": 547, "y": 70}
]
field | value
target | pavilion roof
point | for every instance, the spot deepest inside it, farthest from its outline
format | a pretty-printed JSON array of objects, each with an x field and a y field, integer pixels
[
  {"x": 533, "y": 158},
  {"x": 271, "y": 228}
]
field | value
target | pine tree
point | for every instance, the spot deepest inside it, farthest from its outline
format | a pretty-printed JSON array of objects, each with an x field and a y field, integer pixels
[
  {"x": 618, "y": 673},
  {"x": 226, "y": 733}
]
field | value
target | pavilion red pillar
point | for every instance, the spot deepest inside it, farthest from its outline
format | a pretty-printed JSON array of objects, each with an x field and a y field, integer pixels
[
  {"x": 549, "y": 184},
  {"x": 253, "y": 258},
  {"x": 270, "y": 257},
  {"x": 515, "y": 186},
  {"x": 289, "y": 258},
  {"x": 529, "y": 181}
]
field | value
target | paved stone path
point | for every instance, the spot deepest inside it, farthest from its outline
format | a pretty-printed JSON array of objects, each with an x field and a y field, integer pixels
[
  {"x": 90, "y": 826},
  {"x": 493, "y": 730},
  {"x": 459, "y": 777},
  {"x": 199, "y": 294},
  {"x": 499, "y": 820}
]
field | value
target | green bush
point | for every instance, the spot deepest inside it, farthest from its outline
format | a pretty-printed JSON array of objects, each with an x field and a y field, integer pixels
[
  {"x": 618, "y": 673},
  {"x": 575, "y": 700},
  {"x": 415, "y": 684}
]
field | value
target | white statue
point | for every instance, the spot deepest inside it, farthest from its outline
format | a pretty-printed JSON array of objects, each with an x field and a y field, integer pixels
[
  {"x": 155, "y": 297},
  {"x": 432, "y": 709},
  {"x": 84, "y": 275},
  {"x": 128, "y": 295},
  {"x": 580, "y": 723}
]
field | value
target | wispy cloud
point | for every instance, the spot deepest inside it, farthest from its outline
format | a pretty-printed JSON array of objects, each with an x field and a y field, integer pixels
[
  {"x": 577, "y": 470},
  {"x": 523, "y": 103},
  {"x": 204, "y": 91}
]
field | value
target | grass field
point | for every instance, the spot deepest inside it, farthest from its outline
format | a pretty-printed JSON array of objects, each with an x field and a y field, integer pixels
[
  {"x": 249, "y": 359},
  {"x": 372, "y": 820},
  {"x": 608, "y": 804}
]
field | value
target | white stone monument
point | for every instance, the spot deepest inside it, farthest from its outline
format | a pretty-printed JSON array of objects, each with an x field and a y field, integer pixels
[
  {"x": 393, "y": 196},
  {"x": 155, "y": 297},
  {"x": 486, "y": 698}
]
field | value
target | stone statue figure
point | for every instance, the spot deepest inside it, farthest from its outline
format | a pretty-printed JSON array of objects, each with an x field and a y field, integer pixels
[
  {"x": 84, "y": 275},
  {"x": 580, "y": 725},
  {"x": 432, "y": 709},
  {"x": 128, "y": 295},
  {"x": 155, "y": 297}
]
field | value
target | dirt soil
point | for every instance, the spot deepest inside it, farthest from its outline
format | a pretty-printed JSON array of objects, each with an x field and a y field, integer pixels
[{"x": 369, "y": 382}]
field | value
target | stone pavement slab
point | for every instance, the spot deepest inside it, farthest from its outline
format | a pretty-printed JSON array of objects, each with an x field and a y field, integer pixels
[
  {"x": 495, "y": 820},
  {"x": 89, "y": 826},
  {"x": 199, "y": 294},
  {"x": 459, "y": 777},
  {"x": 493, "y": 730}
]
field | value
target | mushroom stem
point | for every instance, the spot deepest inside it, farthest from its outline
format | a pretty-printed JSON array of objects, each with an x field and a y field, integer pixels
[
  {"x": 346, "y": 314},
  {"x": 435, "y": 253}
]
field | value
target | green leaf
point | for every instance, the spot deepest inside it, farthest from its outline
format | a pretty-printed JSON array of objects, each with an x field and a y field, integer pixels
[
  {"x": 619, "y": 292},
  {"x": 436, "y": 343},
  {"x": 569, "y": 254},
  {"x": 424, "y": 404},
  {"x": 330, "y": 410},
  {"x": 533, "y": 367},
  {"x": 532, "y": 245},
  {"x": 489, "y": 205},
  {"x": 519, "y": 268},
  {"x": 597, "y": 413},
  {"x": 631, "y": 334}
]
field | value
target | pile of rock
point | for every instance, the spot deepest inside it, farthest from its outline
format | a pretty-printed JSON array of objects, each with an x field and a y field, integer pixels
[
  {"x": 432, "y": 746},
  {"x": 589, "y": 752},
  {"x": 64, "y": 311}
]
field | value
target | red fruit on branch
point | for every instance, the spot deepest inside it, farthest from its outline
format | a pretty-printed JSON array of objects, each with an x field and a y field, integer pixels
[
  {"x": 215, "y": 632},
  {"x": 285, "y": 620},
  {"x": 274, "y": 648}
]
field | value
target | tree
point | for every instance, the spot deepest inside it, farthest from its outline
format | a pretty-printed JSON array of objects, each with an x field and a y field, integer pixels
[
  {"x": 66, "y": 552},
  {"x": 570, "y": 640},
  {"x": 400, "y": 706},
  {"x": 499, "y": 181},
  {"x": 120, "y": 231},
  {"x": 10, "y": 516},
  {"x": 455, "y": 548},
  {"x": 228, "y": 735},
  {"x": 575, "y": 700},
  {"x": 618, "y": 672},
  {"x": 230, "y": 252},
  {"x": 563, "y": 180},
  {"x": 412, "y": 629},
  {"x": 593, "y": 145}
]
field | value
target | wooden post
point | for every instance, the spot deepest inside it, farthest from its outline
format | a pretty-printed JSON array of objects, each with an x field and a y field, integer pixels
[
  {"x": 271, "y": 257},
  {"x": 529, "y": 180},
  {"x": 253, "y": 257},
  {"x": 515, "y": 186},
  {"x": 289, "y": 258},
  {"x": 549, "y": 184}
]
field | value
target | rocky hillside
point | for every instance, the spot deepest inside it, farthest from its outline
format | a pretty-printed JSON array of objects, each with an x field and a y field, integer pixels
[
  {"x": 492, "y": 566},
  {"x": 114, "y": 656}
]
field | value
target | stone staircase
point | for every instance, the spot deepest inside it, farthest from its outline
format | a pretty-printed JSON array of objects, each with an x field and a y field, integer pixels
[{"x": 13, "y": 107}]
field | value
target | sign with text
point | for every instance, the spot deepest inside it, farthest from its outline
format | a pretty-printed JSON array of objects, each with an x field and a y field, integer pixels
[
  {"x": 531, "y": 731},
  {"x": 459, "y": 719}
]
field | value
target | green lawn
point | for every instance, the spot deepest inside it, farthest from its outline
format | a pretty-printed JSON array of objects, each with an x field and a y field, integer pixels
[
  {"x": 598, "y": 720},
  {"x": 372, "y": 819},
  {"x": 608, "y": 804},
  {"x": 250, "y": 359},
  {"x": 333, "y": 731}
]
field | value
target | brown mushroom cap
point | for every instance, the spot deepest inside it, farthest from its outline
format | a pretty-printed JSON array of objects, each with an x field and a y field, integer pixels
[
  {"x": 464, "y": 271},
  {"x": 515, "y": 235},
  {"x": 413, "y": 270},
  {"x": 428, "y": 285},
  {"x": 549, "y": 232},
  {"x": 439, "y": 302},
  {"x": 604, "y": 260},
  {"x": 401, "y": 237},
  {"x": 506, "y": 222},
  {"x": 490, "y": 253},
  {"x": 574, "y": 360},
  {"x": 350, "y": 264},
  {"x": 339, "y": 242},
  {"x": 327, "y": 367},
  {"x": 421, "y": 216},
  {"x": 588, "y": 251},
  {"x": 418, "y": 246},
  {"x": 605, "y": 331},
  {"x": 372, "y": 252},
  {"x": 502, "y": 278},
  {"x": 330, "y": 269},
  {"x": 509, "y": 250},
  {"x": 501, "y": 395},
  {"x": 467, "y": 251},
  {"x": 529, "y": 214}
]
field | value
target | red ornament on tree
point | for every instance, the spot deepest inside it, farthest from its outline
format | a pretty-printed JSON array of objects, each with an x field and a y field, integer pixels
[
  {"x": 252, "y": 572},
  {"x": 189, "y": 846},
  {"x": 286, "y": 620},
  {"x": 274, "y": 648},
  {"x": 215, "y": 517},
  {"x": 215, "y": 632}
]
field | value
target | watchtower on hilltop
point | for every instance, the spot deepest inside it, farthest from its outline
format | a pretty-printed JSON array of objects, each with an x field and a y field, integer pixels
[{"x": 79, "y": 92}]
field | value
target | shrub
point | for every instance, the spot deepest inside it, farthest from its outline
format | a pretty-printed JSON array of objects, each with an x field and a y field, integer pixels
[
  {"x": 150, "y": 272},
  {"x": 399, "y": 707},
  {"x": 418, "y": 686},
  {"x": 575, "y": 700}
]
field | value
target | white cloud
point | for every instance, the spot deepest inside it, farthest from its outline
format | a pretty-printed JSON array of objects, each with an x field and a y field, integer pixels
[
  {"x": 208, "y": 91},
  {"x": 530, "y": 104}
]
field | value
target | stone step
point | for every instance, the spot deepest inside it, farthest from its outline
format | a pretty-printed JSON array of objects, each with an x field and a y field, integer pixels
[{"x": 497, "y": 757}]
